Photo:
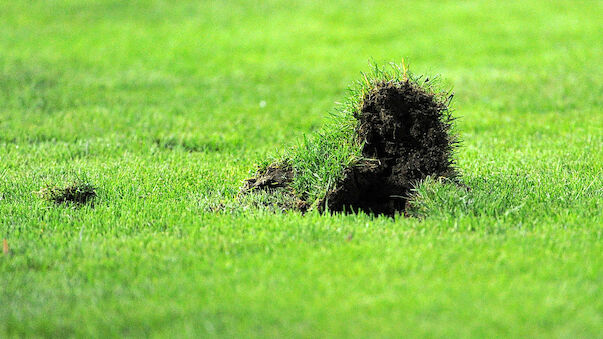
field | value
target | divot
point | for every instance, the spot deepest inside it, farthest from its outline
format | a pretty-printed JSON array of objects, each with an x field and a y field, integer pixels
[
  {"x": 77, "y": 193},
  {"x": 402, "y": 129}
]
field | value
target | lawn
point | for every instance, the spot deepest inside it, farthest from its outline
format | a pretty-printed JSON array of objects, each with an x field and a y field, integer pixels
[{"x": 165, "y": 107}]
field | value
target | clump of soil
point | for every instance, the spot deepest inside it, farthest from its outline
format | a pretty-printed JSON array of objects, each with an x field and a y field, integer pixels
[
  {"x": 277, "y": 178},
  {"x": 274, "y": 176},
  {"x": 404, "y": 133},
  {"x": 76, "y": 193}
]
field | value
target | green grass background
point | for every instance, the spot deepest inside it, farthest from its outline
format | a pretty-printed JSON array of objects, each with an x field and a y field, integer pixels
[{"x": 158, "y": 104}]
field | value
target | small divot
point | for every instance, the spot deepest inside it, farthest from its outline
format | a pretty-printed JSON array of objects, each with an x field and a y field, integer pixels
[{"x": 78, "y": 193}]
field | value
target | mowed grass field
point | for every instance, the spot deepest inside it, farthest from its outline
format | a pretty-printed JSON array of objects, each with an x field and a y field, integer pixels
[{"x": 165, "y": 107}]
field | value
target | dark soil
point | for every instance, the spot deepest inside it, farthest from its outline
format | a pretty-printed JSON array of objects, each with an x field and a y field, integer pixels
[
  {"x": 272, "y": 177},
  {"x": 276, "y": 178},
  {"x": 77, "y": 193},
  {"x": 406, "y": 131}
]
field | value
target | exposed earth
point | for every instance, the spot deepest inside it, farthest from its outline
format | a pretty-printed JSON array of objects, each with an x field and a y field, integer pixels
[{"x": 405, "y": 135}]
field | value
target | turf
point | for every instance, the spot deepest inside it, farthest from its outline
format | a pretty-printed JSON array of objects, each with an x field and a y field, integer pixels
[
  {"x": 165, "y": 107},
  {"x": 393, "y": 130}
]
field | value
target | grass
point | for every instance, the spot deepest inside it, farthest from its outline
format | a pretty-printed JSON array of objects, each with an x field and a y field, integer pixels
[{"x": 165, "y": 107}]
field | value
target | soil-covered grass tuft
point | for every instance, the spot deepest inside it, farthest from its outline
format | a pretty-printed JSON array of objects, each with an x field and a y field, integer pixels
[
  {"x": 394, "y": 130},
  {"x": 78, "y": 192}
]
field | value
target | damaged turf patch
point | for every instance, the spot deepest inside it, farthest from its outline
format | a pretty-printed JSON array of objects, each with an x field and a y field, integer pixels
[
  {"x": 78, "y": 192},
  {"x": 392, "y": 132},
  {"x": 272, "y": 177}
]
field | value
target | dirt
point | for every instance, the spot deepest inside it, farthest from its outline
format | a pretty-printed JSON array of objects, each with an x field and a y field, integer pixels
[
  {"x": 272, "y": 177},
  {"x": 405, "y": 132},
  {"x": 277, "y": 178},
  {"x": 77, "y": 193}
]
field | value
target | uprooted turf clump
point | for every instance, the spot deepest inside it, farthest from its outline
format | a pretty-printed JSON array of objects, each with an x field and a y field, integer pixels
[
  {"x": 405, "y": 135},
  {"x": 394, "y": 131},
  {"x": 78, "y": 193}
]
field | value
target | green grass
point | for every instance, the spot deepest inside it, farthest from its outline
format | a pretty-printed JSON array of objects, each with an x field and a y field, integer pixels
[{"x": 165, "y": 107}]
